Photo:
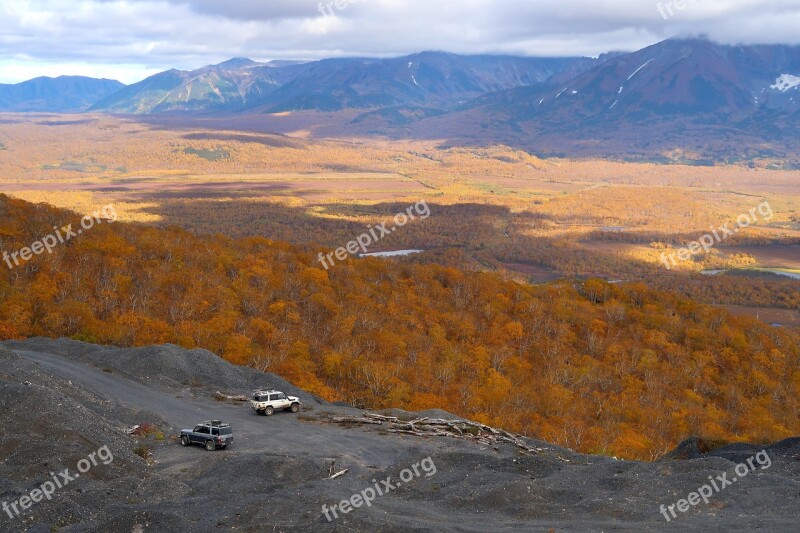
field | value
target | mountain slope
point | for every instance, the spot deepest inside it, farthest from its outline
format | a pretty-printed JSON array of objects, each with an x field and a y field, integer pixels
[
  {"x": 228, "y": 86},
  {"x": 275, "y": 475},
  {"x": 532, "y": 359},
  {"x": 55, "y": 95},
  {"x": 429, "y": 78},
  {"x": 690, "y": 93},
  {"x": 671, "y": 79}
]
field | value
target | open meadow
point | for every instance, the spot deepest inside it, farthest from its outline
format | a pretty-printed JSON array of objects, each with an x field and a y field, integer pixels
[{"x": 494, "y": 209}]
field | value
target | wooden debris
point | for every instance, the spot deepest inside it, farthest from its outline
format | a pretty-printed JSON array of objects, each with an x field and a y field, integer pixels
[
  {"x": 356, "y": 420},
  {"x": 340, "y": 473},
  {"x": 221, "y": 396},
  {"x": 381, "y": 417},
  {"x": 437, "y": 427}
]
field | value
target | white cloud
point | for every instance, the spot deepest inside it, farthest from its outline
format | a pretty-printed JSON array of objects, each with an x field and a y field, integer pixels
[
  {"x": 128, "y": 39},
  {"x": 14, "y": 71}
]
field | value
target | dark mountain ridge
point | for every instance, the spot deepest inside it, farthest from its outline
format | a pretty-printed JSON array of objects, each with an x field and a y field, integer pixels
[
  {"x": 428, "y": 78},
  {"x": 58, "y": 95}
]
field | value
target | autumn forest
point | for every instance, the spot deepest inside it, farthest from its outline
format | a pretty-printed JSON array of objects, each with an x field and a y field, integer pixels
[{"x": 539, "y": 303}]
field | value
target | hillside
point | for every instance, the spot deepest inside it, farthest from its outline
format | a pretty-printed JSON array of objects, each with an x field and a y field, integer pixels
[
  {"x": 728, "y": 103},
  {"x": 430, "y": 79},
  {"x": 65, "y": 94},
  {"x": 629, "y": 371},
  {"x": 147, "y": 481}
]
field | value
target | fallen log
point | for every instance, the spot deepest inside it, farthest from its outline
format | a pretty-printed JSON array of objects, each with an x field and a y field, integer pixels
[
  {"x": 221, "y": 396},
  {"x": 356, "y": 420},
  {"x": 438, "y": 427},
  {"x": 381, "y": 417}
]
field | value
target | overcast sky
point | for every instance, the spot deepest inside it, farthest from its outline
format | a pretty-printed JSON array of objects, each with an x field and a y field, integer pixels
[{"x": 131, "y": 39}]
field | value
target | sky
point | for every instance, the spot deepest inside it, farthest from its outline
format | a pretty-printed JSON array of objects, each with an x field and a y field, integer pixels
[{"x": 129, "y": 40}]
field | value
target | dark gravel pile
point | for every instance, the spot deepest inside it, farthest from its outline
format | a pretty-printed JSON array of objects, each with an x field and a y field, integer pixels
[
  {"x": 167, "y": 367},
  {"x": 60, "y": 400}
]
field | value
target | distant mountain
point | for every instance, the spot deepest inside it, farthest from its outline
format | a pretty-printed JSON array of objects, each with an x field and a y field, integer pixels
[
  {"x": 56, "y": 95},
  {"x": 687, "y": 93},
  {"x": 671, "y": 79},
  {"x": 229, "y": 86},
  {"x": 687, "y": 96},
  {"x": 428, "y": 79}
]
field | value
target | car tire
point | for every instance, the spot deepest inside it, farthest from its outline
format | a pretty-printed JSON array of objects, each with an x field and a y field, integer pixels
[
  {"x": 210, "y": 446},
  {"x": 269, "y": 411},
  {"x": 295, "y": 407},
  {"x": 184, "y": 440}
]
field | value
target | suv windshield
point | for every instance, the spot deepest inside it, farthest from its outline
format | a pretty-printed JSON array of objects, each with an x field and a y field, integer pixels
[{"x": 225, "y": 431}]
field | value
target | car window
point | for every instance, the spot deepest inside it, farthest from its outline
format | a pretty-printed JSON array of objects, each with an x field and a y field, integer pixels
[
  {"x": 273, "y": 397},
  {"x": 225, "y": 431},
  {"x": 215, "y": 431},
  {"x": 197, "y": 429},
  {"x": 281, "y": 396},
  {"x": 203, "y": 429}
]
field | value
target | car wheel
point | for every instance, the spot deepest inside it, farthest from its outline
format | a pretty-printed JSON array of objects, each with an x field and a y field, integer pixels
[
  {"x": 269, "y": 411},
  {"x": 295, "y": 407},
  {"x": 210, "y": 446},
  {"x": 184, "y": 440}
]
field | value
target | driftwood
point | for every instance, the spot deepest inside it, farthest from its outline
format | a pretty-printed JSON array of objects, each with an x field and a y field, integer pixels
[
  {"x": 221, "y": 396},
  {"x": 355, "y": 420},
  {"x": 340, "y": 473},
  {"x": 382, "y": 418},
  {"x": 438, "y": 427}
]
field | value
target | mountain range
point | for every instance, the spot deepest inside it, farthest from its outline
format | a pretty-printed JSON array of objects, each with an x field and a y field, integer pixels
[
  {"x": 430, "y": 78},
  {"x": 55, "y": 95},
  {"x": 688, "y": 94},
  {"x": 695, "y": 90}
]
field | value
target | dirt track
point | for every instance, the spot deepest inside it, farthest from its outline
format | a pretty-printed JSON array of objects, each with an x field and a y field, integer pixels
[{"x": 274, "y": 477}]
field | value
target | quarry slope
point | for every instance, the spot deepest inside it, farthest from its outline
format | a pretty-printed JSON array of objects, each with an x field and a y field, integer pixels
[{"x": 60, "y": 400}]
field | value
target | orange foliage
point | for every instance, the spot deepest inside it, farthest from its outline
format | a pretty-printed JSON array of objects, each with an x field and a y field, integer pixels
[{"x": 619, "y": 369}]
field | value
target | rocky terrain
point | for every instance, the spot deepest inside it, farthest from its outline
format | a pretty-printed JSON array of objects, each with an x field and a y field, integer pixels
[{"x": 62, "y": 400}]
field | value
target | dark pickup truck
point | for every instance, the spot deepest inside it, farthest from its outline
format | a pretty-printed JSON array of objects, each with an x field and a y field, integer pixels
[{"x": 213, "y": 434}]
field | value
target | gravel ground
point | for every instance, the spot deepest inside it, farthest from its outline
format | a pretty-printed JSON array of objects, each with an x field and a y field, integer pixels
[{"x": 62, "y": 400}]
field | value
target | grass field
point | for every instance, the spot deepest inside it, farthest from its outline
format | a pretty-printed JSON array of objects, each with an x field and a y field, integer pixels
[{"x": 502, "y": 209}]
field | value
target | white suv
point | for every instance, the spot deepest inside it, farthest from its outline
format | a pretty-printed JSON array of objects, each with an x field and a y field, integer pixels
[{"x": 265, "y": 402}]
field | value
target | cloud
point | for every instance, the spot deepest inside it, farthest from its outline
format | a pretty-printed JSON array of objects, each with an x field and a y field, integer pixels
[{"x": 129, "y": 38}]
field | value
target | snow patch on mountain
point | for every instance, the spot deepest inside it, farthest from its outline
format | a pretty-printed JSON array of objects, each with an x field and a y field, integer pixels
[
  {"x": 638, "y": 69},
  {"x": 786, "y": 82}
]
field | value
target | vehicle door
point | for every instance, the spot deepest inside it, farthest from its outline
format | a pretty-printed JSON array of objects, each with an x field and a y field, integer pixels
[
  {"x": 282, "y": 401},
  {"x": 200, "y": 434}
]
